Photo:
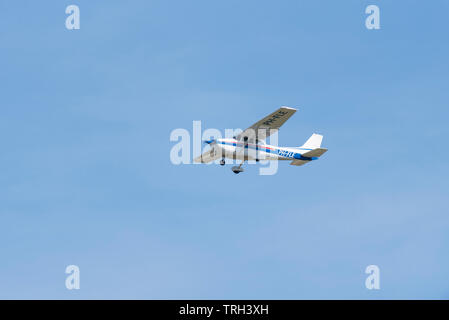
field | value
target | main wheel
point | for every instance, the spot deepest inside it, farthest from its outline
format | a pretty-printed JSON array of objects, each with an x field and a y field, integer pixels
[{"x": 222, "y": 162}]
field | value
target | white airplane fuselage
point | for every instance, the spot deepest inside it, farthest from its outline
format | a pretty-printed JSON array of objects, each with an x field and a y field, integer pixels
[{"x": 233, "y": 149}]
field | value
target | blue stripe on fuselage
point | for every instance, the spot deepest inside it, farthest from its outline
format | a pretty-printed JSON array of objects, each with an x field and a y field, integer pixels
[{"x": 274, "y": 151}]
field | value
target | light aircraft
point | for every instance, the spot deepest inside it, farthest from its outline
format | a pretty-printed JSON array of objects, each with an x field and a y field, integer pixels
[{"x": 250, "y": 144}]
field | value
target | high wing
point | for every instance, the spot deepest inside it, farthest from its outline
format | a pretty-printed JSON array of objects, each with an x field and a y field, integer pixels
[
  {"x": 267, "y": 125},
  {"x": 207, "y": 156}
]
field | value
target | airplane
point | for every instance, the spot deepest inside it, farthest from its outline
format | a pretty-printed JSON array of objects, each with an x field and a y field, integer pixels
[{"x": 250, "y": 144}]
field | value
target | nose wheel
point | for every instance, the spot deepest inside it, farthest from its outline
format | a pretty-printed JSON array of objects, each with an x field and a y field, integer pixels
[
  {"x": 238, "y": 169},
  {"x": 222, "y": 162}
]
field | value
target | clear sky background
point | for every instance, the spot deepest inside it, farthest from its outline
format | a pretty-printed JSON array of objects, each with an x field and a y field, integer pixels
[{"x": 86, "y": 177}]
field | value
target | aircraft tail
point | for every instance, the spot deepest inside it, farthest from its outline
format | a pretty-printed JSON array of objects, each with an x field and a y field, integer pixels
[{"x": 313, "y": 142}]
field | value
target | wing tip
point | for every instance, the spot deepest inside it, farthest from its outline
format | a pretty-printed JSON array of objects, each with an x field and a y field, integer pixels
[{"x": 289, "y": 108}]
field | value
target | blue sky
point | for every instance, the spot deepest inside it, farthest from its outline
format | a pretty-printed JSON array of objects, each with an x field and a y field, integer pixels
[{"x": 85, "y": 122}]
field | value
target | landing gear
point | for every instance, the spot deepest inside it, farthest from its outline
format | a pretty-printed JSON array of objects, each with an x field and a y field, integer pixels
[
  {"x": 238, "y": 169},
  {"x": 222, "y": 162}
]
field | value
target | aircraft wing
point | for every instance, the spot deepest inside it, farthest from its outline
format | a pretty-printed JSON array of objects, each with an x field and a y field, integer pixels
[
  {"x": 262, "y": 128},
  {"x": 207, "y": 156}
]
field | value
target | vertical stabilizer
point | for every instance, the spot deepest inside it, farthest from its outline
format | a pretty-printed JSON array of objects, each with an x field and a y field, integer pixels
[{"x": 313, "y": 142}]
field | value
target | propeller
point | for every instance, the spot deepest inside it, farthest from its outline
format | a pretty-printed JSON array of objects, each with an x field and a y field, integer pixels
[{"x": 211, "y": 143}]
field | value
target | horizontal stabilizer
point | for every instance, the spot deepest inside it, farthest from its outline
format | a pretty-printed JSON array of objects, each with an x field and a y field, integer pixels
[
  {"x": 314, "y": 153},
  {"x": 299, "y": 162}
]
